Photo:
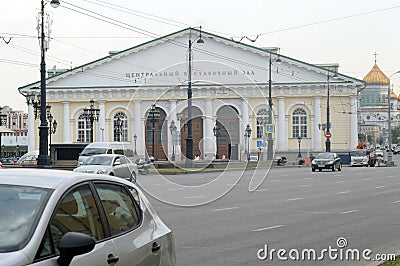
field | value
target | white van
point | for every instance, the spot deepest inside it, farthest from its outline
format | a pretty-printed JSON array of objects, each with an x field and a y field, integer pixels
[{"x": 105, "y": 148}]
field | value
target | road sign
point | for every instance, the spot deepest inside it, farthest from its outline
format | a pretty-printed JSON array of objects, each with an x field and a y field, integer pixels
[
  {"x": 259, "y": 143},
  {"x": 269, "y": 128},
  {"x": 328, "y": 135}
]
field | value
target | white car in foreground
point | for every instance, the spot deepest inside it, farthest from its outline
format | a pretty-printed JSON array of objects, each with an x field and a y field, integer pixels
[{"x": 51, "y": 217}]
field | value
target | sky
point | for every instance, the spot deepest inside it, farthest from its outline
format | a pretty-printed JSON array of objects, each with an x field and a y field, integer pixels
[{"x": 347, "y": 32}]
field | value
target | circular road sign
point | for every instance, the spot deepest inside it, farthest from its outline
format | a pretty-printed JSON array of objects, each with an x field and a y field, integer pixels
[{"x": 327, "y": 135}]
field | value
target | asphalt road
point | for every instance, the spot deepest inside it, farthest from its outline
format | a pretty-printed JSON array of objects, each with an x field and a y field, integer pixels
[{"x": 217, "y": 221}]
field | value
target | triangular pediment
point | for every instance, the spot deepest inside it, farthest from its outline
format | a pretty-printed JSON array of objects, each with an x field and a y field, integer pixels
[{"x": 165, "y": 62}]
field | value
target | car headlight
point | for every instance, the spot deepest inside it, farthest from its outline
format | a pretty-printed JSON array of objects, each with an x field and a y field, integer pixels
[
  {"x": 330, "y": 162},
  {"x": 100, "y": 172}
]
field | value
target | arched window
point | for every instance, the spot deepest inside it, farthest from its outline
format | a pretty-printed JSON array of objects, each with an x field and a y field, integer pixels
[
  {"x": 83, "y": 129},
  {"x": 120, "y": 129},
  {"x": 262, "y": 120},
  {"x": 299, "y": 123}
]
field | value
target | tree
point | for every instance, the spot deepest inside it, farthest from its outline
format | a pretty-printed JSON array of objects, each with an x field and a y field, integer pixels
[{"x": 396, "y": 134}]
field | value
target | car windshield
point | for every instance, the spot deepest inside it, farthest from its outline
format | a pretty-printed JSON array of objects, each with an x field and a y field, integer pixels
[
  {"x": 359, "y": 153},
  {"x": 93, "y": 151},
  {"x": 20, "y": 209},
  {"x": 99, "y": 160},
  {"x": 325, "y": 156}
]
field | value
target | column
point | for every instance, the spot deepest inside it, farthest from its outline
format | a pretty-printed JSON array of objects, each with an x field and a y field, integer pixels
[
  {"x": 317, "y": 139},
  {"x": 66, "y": 125},
  {"x": 242, "y": 128},
  {"x": 31, "y": 128},
  {"x": 208, "y": 134},
  {"x": 102, "y": 121},
  {"x": 139, "y": 129},
  {"x": 354, "y": 126},
  {"x": 282, "y": 130}
]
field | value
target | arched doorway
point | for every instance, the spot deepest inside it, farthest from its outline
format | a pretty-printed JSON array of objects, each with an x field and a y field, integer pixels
[
  {"x": 228, "y": 133},
  {"x": 156, "y": 130},
  {"x": 197, "y": 131}
]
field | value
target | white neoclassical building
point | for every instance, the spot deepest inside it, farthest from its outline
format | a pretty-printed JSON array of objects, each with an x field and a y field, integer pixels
[{"x": 230, "y": 83}]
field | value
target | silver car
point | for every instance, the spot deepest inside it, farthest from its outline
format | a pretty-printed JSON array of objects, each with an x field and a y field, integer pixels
[
  {"x": 54, "y": 217},
  {"x": 110, "y": 164}
]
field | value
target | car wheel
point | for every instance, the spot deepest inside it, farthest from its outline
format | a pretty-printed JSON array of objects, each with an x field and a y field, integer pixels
[
  {"x": 340, "y": 167},
  {"x": 320, "y": 169},
  {"x": 133, "y": 177},
  {"x": 333, "y": 168},
  {"x": 313, "y": 169}
]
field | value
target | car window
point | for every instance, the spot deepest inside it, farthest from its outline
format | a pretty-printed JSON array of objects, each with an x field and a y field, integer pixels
[
  {"x": 117, "y": 161},
  {"x": 20, "y": 210},
  {"x": 123, "y": 160},
  {"x": 121, "y": 211},
  {"x": 77, "y": 212},
  {"x": 119, "y": 151}
]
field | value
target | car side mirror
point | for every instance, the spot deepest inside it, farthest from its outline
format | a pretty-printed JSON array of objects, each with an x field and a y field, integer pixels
[
  {"x": 117, "y": 163},
  {"x": 73, "y": 244}
]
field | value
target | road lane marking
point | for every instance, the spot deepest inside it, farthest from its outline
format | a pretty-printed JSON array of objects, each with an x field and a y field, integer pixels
[
  {"x": 309, "y": 178},
  {"x": 260, "y": 190},
  {"x": 358, "y": 173},
  {"x": 294, "y": 199},
  {"x": 365, "y": 179},
  {"x": 390, "y": 176},
  {"x": 380, "y": 187},
  {"x": 346, "y": 212},
  {"x": 385, "y": 192},
  {"x": 159, "y": 184},
  {"x": 176, "y": 188},
  {"x": 276, "y": 180},
  {"x": 284, "y": 175},
  {"x": 225, "y": 209},
  {"x": 337, "y": 182},
  {"x": 343, "y": 192},
  {"x": 397, "y": 201},
  {"x": 305, "y": 185},
  {"x": 195, "y": 197},
  {"x": 268, "y": 228}
]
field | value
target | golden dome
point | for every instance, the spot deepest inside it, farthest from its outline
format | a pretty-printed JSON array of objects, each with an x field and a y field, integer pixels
[
  {"x": 393, "y": 95},
  {"x": 376, "y": 77}
]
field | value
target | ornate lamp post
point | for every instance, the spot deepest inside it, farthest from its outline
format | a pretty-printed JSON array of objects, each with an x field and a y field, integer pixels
[
  {"x": 3, "y": 149},
  {"x": 173, "y": 130},
  {"x": 299, "y": 140},
  {"x": 154, "y": 114},
  {"x": 43, "y": 158},
  {"x": 91, "y": 114},
  {"x": 17, "y": 151},
  {"x": 3, "y": 120},
  {"x": 270, "y": 147},
  {"x": 52, "y": 130},
  {"x": 135, "y": 139},
  {"x": 189, "y": 138},
  {"x": 216, "y": 134},
  {"x": 248, "y": 135}
]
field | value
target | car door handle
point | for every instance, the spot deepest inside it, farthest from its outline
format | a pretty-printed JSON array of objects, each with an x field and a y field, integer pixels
[
  {"x": 111, "y": 259},
  {"x": 156, "y": 247}
]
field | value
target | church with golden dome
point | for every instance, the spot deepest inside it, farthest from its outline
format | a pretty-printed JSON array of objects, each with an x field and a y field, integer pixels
[{"x": 374, "y": 107}]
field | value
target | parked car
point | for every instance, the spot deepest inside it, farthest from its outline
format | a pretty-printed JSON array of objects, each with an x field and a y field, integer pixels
[
  {"x": 326, "y": 160},
  {"x": 397, "y": 149},
  {"x": 29, "y": 158},
  {"x": 362, "y": 158},
  {"x": 110, "y": 164},
  {"x": 104, "y": 148},
  {"x": 49, "y": 217},
  {"x": 378, "y": 153}
]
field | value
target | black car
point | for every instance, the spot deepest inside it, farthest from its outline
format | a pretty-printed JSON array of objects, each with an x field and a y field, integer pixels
[{"x": 326, "y": 160}]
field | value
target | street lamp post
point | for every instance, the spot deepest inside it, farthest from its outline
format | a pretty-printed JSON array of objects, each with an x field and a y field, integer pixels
[
  {"x": 189, "y": 138},
  {"x": 299, "y": 140},
  {"x": 43, "y": 158},
  {"x": 91, "y": 114},
  {"x": 3, "y": 118},
  {"x": 328, "y": 123},
  {"x": 216, "y": 134},
  {"x": 270, "y": 147},
  {"x": 173, "y": 131},
  {"x": 17, "y": 151},
  {"x": 248, "y": 135},
  {"x": 390, "y": 153},
  {"x": 3, "y": 149},
  {"x": 52, "y": 130},
  {"x": 135, "y": 139},
  {"x": 155, "y": 114}
]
